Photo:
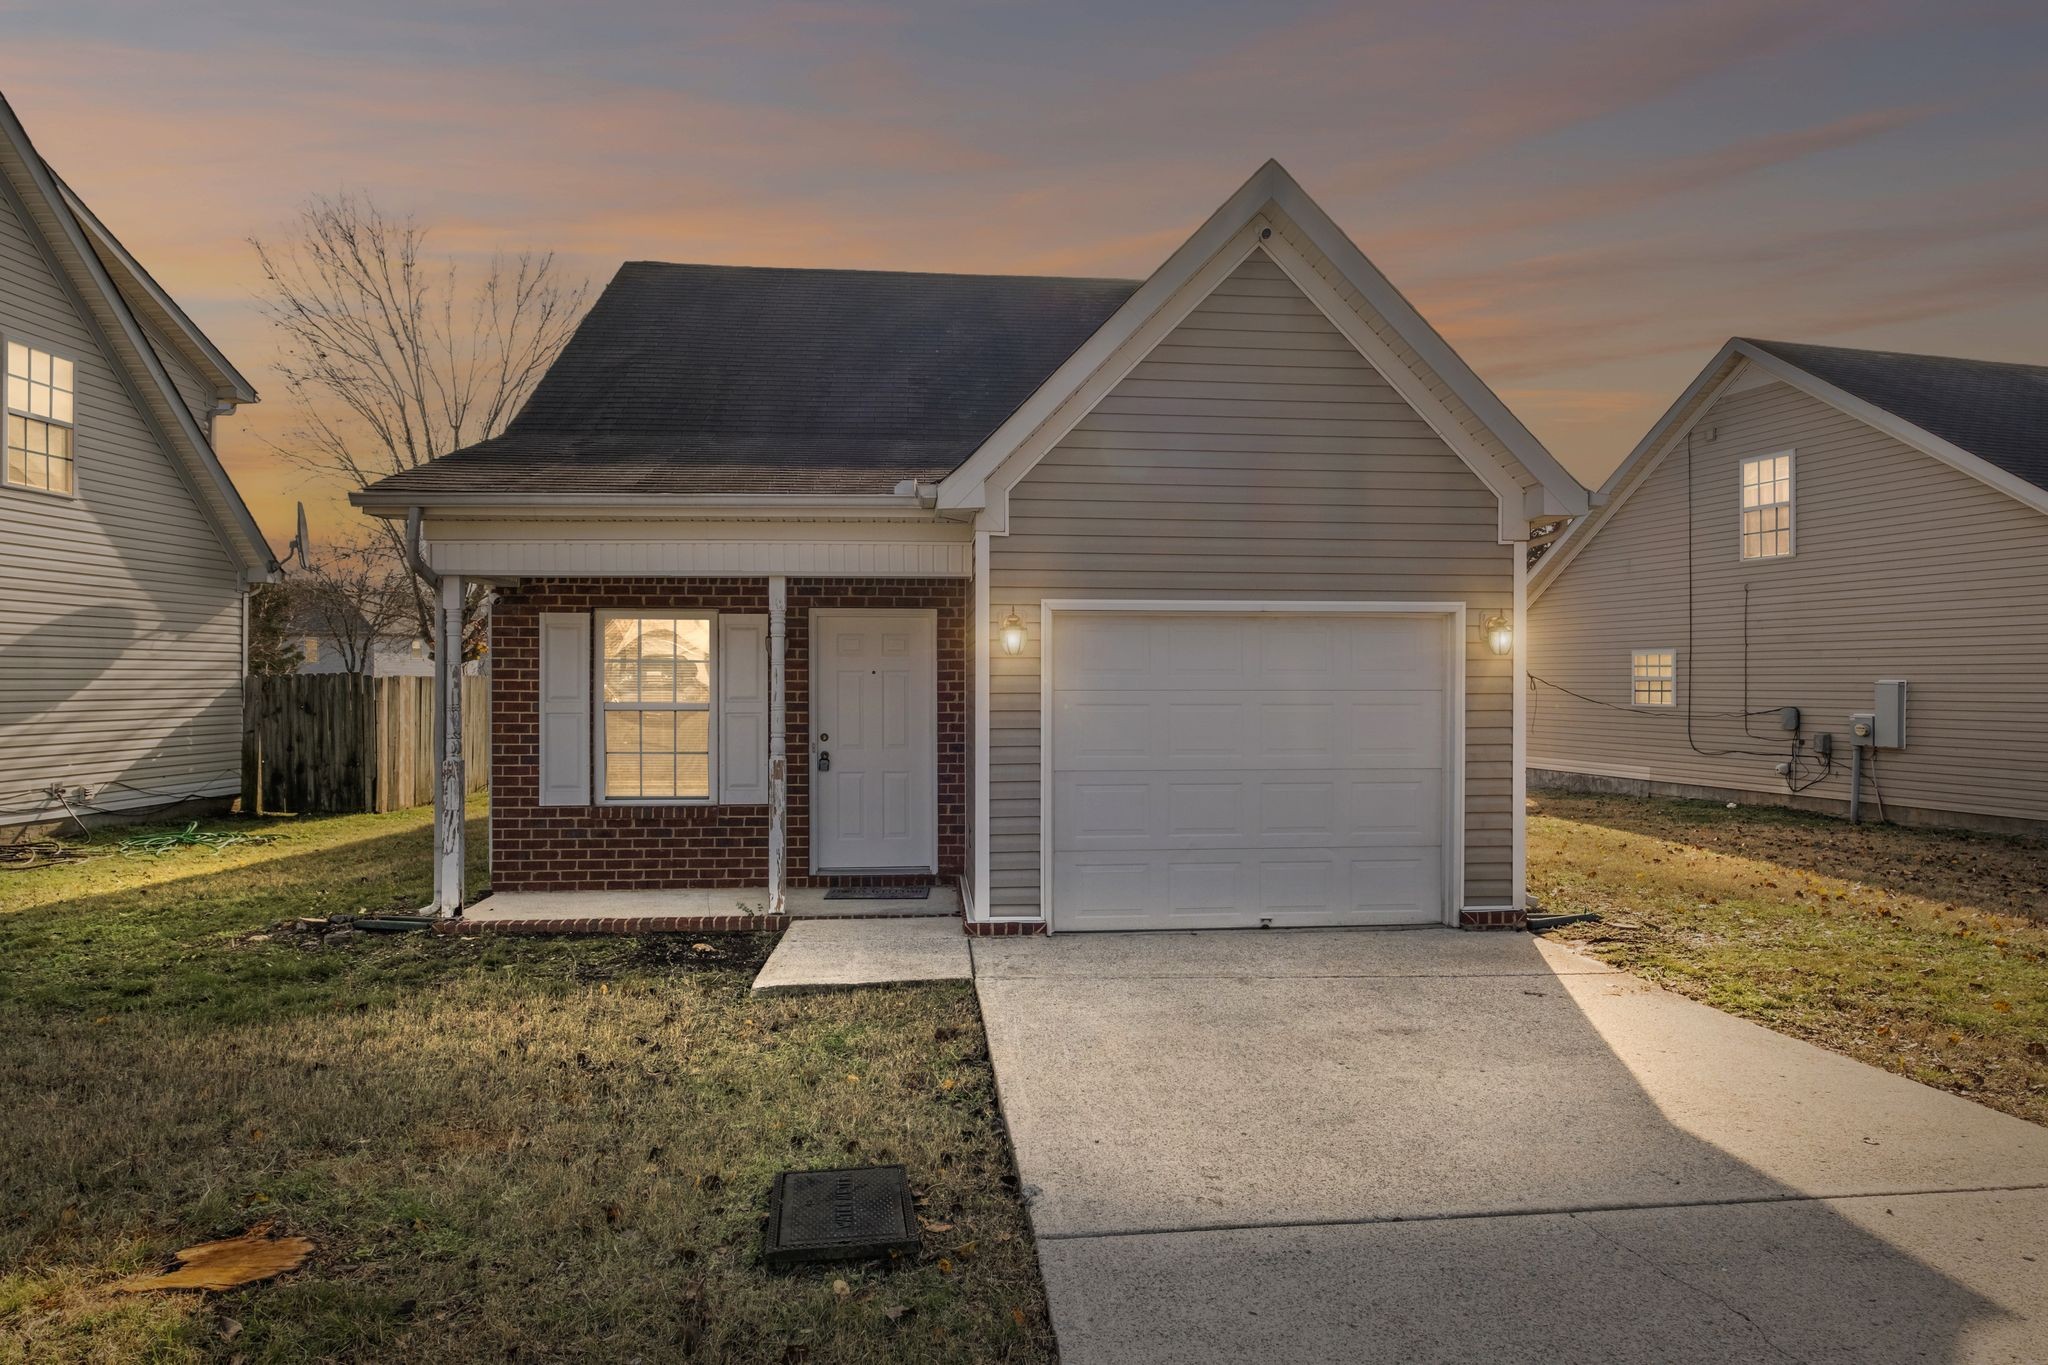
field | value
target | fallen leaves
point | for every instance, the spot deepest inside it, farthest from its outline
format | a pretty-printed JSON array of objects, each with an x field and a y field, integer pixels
[{"x": 225, "y": 1264}]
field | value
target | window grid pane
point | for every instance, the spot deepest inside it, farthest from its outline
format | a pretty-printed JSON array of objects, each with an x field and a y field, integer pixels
[
  {"x": 1653, "y": 677},
  {"x": 40, "y": 409},
  {"x": 38, "y": 454},
  {"x": 1767, "y": 507},
  {"x": 657, "y": 705}
]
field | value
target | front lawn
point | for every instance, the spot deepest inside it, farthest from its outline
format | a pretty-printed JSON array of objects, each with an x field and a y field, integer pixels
[
  {"x": 505, "y": 1149},
  {"x": 1921, "y": 951}
]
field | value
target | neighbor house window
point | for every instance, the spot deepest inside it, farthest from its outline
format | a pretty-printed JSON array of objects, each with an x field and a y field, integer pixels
[
  {"x": 655, "y": 725},
  {"x": 1653, "y": 677},
  {"x": 1767, "y": 507},
  {"x": 39, "y": 413}
]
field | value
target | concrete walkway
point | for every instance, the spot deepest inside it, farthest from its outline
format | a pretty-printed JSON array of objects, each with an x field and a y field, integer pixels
[
  {"x": 822, "y": 954},
  {"x": 1434, "y": 1146}
]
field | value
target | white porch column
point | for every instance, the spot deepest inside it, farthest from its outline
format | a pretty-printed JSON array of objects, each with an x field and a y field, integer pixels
[
  {"x": 452, "y": 788},
  {"x": 778, "y": 744}
]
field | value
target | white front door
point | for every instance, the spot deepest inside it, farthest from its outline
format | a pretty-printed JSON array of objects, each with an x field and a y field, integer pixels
[
  {"x": 1214, "y": 770},
  {"x": 874, "y": 741}
]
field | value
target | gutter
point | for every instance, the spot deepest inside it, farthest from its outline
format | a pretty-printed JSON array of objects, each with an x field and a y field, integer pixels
[{"x": 655, "y": 504}]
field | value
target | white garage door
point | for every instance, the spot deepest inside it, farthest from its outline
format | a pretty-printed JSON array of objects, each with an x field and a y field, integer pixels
[{"x": 1213, "y": 771}]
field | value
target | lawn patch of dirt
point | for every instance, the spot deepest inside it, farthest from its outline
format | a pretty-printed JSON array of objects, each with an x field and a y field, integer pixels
[{"x": 1924, "y": 952}]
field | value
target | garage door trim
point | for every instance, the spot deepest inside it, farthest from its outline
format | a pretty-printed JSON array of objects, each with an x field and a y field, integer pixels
[{"x": 1453, "y": 615}]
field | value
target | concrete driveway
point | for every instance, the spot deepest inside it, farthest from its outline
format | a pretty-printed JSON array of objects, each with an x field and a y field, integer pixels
[{"x": 1433, "y": 1146}]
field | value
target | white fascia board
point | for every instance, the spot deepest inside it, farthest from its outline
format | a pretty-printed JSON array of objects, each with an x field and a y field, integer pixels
[
  {"x": 1434, "y": 351},
  {"x": 1659, "y": 441},
  {"x": 1236, "y": 229},
  {"x": 1898, "y": 428},
  {"x": 638, "y": 506},
  {"x": 237, "y": 529},
  {"x": 198, "y": 346},
  {"x": 1414, "y": 389},
  {"x": 964, "y": 485},
  {"x": 1096, "y": 386}
]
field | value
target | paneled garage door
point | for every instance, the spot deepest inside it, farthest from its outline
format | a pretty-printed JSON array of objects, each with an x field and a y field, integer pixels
[{"x": 1215, "y": 770}]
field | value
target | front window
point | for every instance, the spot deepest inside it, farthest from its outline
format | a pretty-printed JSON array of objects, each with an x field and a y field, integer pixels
[
  {"x": 1767, "y": 507},
  {"x": 1653, "y": 677},
  {"x": 655, "y": 672},
  {"x": 40, "y": 395}
]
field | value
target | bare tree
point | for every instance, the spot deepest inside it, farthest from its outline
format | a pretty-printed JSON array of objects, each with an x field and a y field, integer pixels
[
  {"x": 393, "y": 358},
  {"x": 272, "y": 651},
  {"x": 352, "y": 595}
]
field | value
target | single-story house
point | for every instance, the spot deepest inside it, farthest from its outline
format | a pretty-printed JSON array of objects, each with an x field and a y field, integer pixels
[
  {"x": 1176, "y": 602},
  {"x": 125, "y": 548},
  {"x": 354, "y": 647},
  {"x": 1821, "y": 580}
]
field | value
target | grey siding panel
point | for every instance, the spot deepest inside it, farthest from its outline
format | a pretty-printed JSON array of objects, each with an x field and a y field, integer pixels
[
  {"x": 1904, "y": 568},
  {"x": 1252, "y": 455},
  {"x": 120, "y": 630}
]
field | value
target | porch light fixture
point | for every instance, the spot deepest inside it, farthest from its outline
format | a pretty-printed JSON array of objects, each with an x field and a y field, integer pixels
[
  {"x": 1500, "y": 633},
  {"x": 1012, "y": 634}
]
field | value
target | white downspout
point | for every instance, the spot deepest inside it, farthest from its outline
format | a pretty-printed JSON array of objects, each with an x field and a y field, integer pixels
[{"x": 778, "y": 745}]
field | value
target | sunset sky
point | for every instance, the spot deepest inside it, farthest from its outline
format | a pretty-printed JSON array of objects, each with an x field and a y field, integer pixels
[{"x": 1585, "y": 197}]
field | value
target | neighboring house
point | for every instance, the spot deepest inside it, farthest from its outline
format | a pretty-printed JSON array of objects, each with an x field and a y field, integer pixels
[
  {"x": 1806, "y": 524},
  {"x": 1123, "y": 604},
  {"x": 125, "y": 548},
  {"x": 388, "y": 655},
  {"x": 393, "y": 654}
]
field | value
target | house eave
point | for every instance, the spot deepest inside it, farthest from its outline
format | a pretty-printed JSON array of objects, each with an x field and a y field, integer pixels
[{"x": 652, "y": 506}]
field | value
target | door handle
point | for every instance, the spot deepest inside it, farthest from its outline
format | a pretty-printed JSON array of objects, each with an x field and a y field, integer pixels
[{"x": 824, "y": 761}]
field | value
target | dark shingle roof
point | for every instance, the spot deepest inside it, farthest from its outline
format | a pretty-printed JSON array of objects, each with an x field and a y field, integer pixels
[
  {"x": 740, "y": 379},
  {"x": 1996, "y": 410}
]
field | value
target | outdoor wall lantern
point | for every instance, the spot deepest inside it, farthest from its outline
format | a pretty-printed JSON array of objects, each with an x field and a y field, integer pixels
[
  {"x": 1012, "y": 634},
  {"x": 1500, "y": 633}
]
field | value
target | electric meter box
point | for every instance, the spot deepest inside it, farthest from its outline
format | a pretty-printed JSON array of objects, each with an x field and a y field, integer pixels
[{"x": 1890, "y": 713}]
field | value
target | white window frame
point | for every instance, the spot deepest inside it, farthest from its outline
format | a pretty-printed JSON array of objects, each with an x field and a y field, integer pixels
[
  {"x": 1790, "y": 504},
  {"x": 1635, "y": 676},
  {"x": 599, "y": 707},
  {"x": 7, "y": 409}
]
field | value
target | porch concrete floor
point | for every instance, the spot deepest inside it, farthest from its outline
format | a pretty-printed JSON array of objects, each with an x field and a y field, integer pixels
[{"x": 803, "y": 903}]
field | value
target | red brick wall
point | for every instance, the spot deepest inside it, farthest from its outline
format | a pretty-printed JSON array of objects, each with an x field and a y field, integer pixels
[{"x": 645, "y": 848}]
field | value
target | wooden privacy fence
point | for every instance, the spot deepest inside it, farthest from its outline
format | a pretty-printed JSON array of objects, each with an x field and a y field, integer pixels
[{"x": 330, "y": 743}]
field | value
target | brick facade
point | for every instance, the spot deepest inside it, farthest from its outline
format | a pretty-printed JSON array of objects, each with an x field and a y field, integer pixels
[{"x": 652, "y": 847}]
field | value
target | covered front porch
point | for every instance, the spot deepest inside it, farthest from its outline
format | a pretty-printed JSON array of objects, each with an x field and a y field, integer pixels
[{"x": 688, "y": 751}]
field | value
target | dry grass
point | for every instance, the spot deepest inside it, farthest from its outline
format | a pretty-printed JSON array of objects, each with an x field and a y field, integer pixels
[
  {"x": 1920, "y": 951},
  {"x": 505, "y": 1150}
]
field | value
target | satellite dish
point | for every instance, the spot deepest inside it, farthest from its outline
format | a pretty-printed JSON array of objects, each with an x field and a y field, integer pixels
[{"x": 299, "y": 542}]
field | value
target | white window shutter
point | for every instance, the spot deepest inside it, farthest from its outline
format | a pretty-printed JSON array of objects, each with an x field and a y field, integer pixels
[
  {"x": 743, "y": 710},
  {"x": 565, "y": 668}
]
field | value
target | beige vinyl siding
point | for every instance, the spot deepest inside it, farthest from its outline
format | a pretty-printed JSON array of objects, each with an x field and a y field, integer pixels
[
  {"x": 1253, "y": 454},
  {"x": 120, "y": 624},
  {"x": 1903, "y": 567}
]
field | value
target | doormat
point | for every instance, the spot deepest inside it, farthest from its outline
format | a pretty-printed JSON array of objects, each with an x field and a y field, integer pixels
[
  {"x": 845, "y": 1215},
  {"x": 879, "y": 893}
]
